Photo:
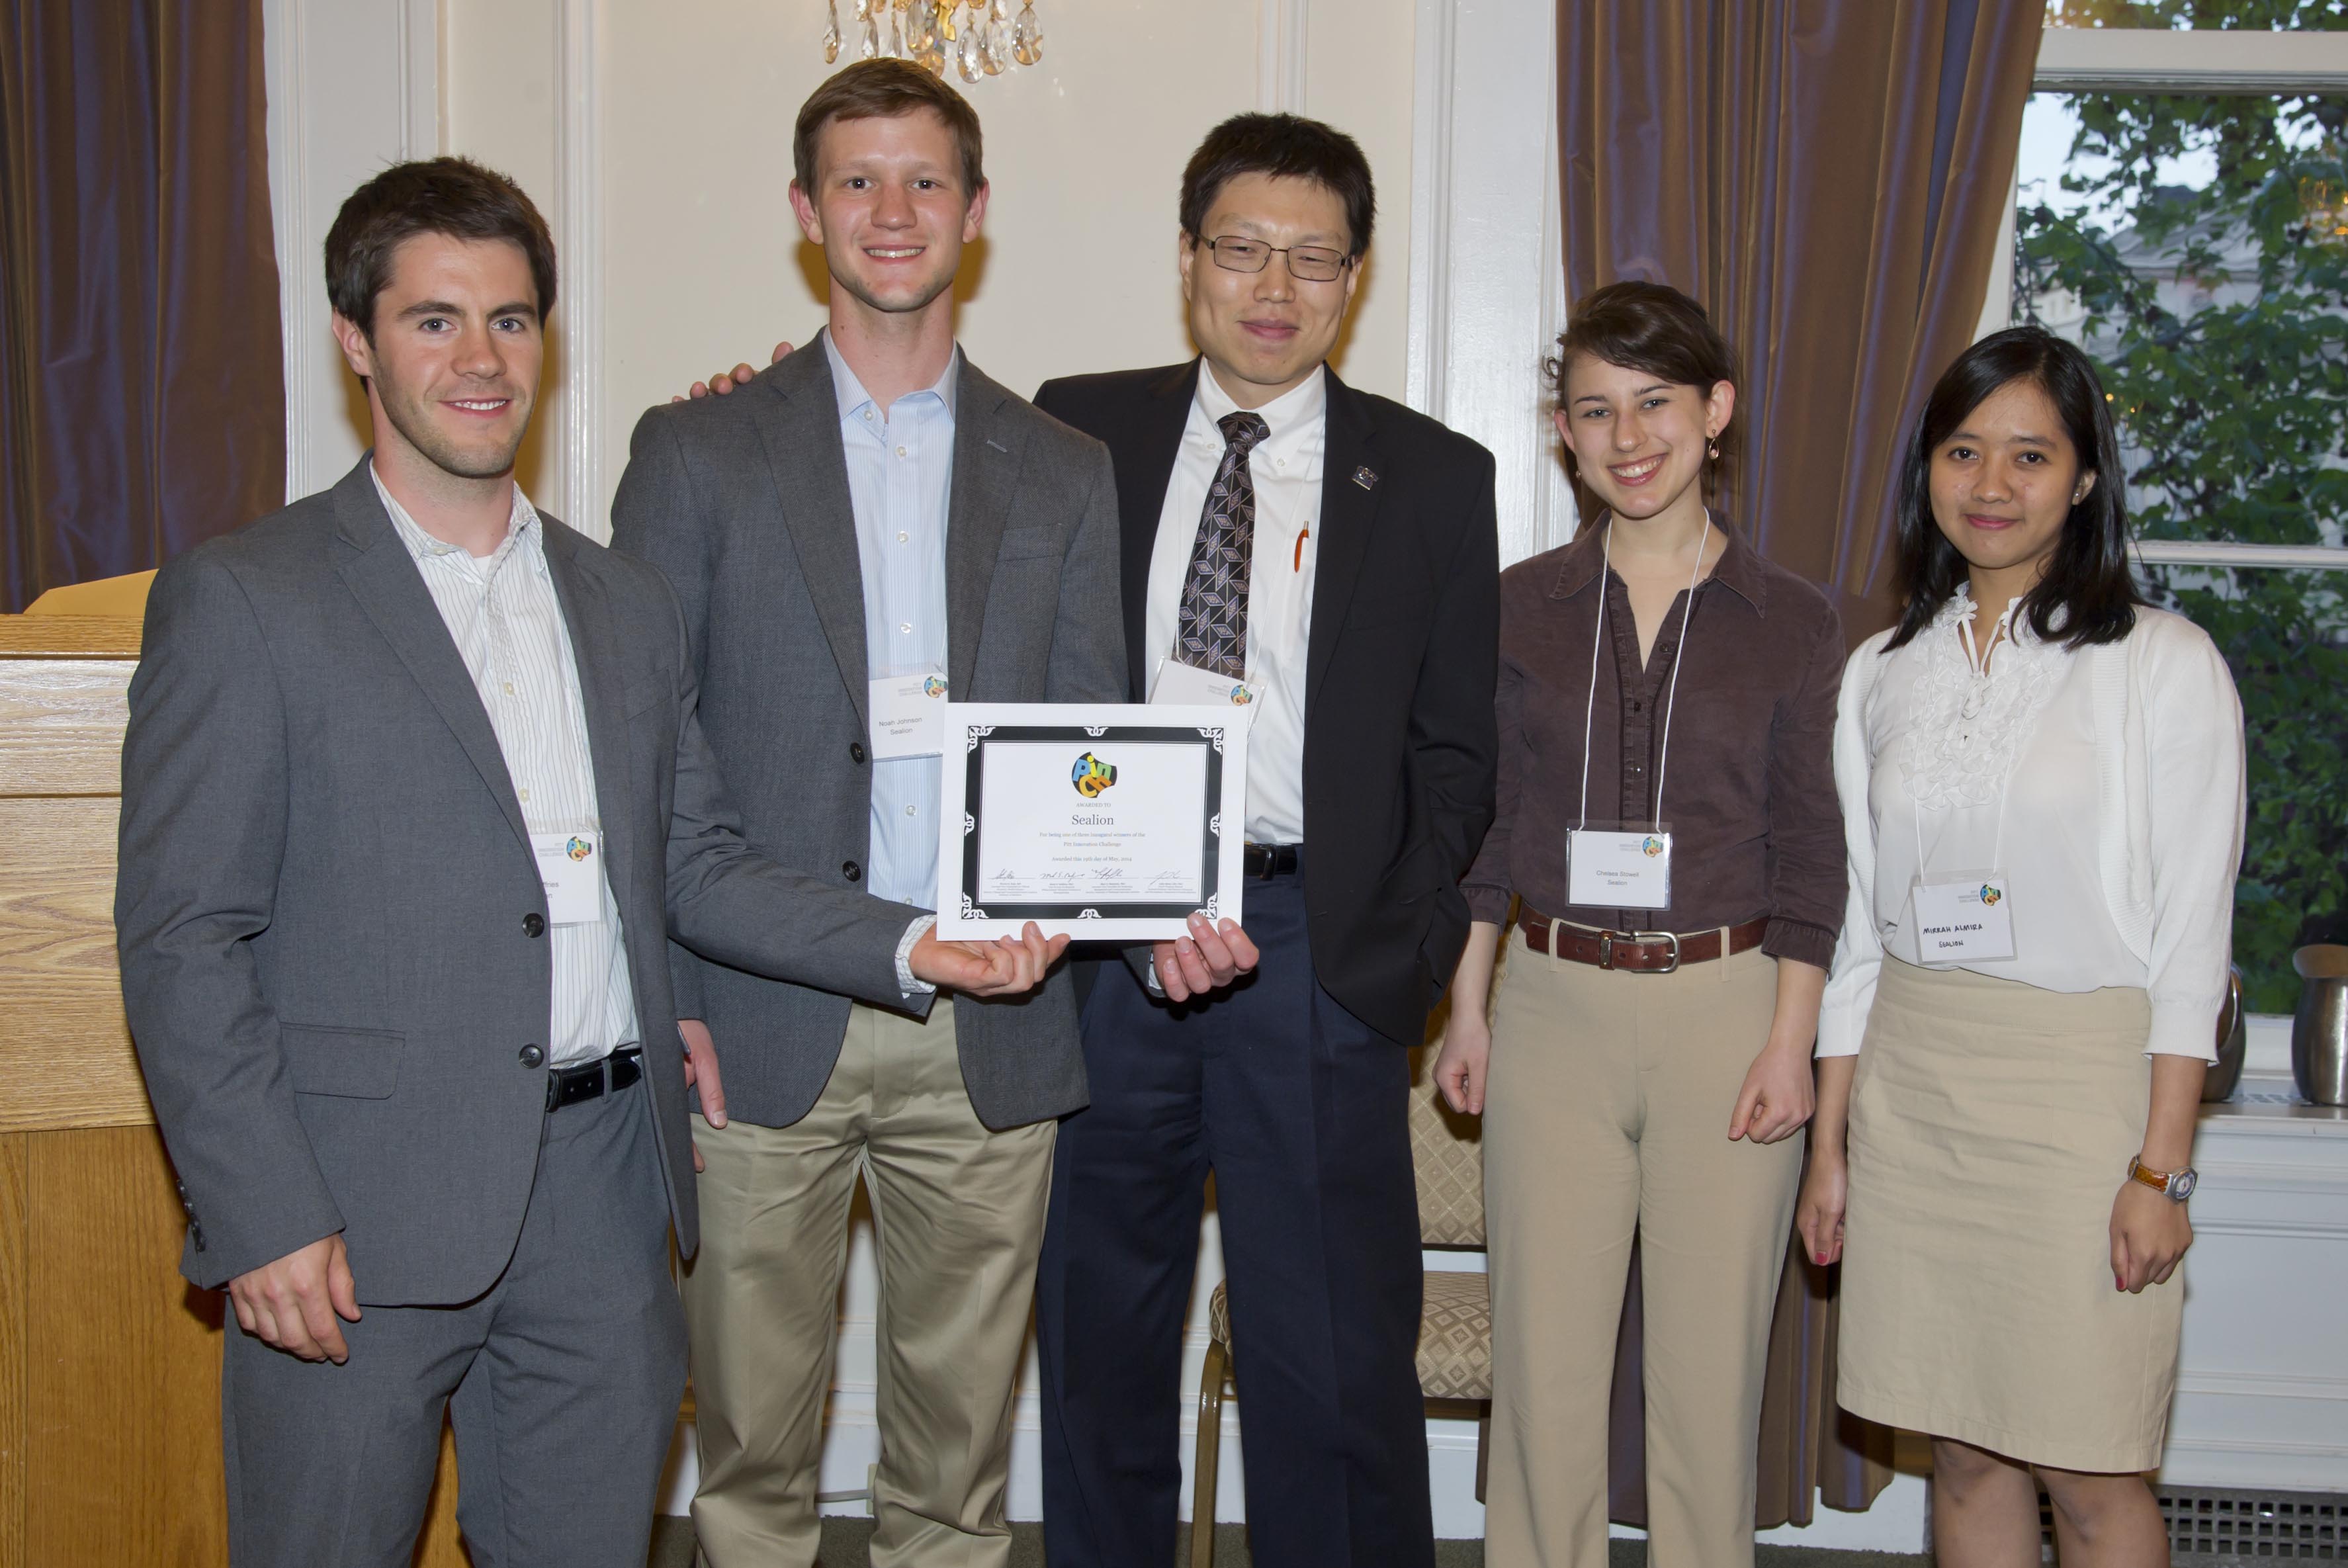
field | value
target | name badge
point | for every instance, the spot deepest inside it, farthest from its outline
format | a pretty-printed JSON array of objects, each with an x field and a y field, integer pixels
[
  {"x": 908, "y": 716},
  {"x": 1961, "y": 919},
  {"x": 572, "y": 867},
  {"x": 1187, "y": 685},
  {"x": 1619, "y": 871}
]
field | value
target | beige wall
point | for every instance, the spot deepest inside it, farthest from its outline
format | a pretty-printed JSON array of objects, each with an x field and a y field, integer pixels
[{"x": 687, "y": 149}]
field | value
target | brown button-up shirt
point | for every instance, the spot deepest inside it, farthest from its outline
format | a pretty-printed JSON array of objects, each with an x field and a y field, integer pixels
[{"x": 1749, "y": 796}]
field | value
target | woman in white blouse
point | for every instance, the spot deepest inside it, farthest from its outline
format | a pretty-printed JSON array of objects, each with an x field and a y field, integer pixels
[{"x": 2042, "y": 784}]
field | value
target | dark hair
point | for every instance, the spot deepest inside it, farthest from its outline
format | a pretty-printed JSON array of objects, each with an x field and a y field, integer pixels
[
  {"x": 452, "y": 196},
  {"x": 1645, "y": 327},
  {"x": 2086, "y": 594},
  {"x": 886, "y": 89},
  {"x": 1286, "y": 147}
]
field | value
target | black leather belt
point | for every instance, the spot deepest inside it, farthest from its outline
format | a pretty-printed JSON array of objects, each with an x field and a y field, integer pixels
[
  {"x": 593, "y": 1080},
  {"x": 1264, "y": 862}
]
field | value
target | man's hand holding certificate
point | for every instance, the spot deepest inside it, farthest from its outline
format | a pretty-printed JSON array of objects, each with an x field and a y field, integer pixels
[{"x": 1111, "y": 823}]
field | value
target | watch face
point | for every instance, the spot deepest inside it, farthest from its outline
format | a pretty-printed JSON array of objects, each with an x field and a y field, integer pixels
[{"x": 2181, "y": 1185}]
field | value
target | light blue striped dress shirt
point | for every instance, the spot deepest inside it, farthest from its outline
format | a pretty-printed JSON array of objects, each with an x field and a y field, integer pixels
[{"x": 901, "y": 481}]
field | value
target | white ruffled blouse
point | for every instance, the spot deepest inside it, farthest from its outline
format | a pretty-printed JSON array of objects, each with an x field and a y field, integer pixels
[{"x": 2104, "y": 783}]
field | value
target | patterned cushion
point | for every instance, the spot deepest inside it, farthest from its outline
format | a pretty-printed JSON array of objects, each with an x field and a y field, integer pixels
[
  {"x": 1448, "y": 1152},
  {"x": 1454, "y": 1335}
]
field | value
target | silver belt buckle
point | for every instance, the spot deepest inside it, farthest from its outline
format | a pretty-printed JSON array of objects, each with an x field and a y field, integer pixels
[{"x": 1643, "y": 937}]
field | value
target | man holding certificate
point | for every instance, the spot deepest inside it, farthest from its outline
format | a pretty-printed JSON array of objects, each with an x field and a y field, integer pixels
[
  {"x": 1329, "y": 559},
  {"x": 868, "y": 527}
]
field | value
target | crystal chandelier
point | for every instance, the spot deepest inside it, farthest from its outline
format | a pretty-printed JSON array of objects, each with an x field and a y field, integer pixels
[{"x": 985, "y": 42}]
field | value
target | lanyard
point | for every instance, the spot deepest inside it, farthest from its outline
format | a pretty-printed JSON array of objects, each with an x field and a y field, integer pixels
[
  {"x": 1977, "y": 663},
  {"x": 1679, "y": 657}
]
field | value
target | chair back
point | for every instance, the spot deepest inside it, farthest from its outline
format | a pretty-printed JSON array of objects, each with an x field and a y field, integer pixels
[{"x": 1447, "y": 1149}]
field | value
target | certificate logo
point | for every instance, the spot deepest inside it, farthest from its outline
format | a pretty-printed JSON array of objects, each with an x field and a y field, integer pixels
[
  {"x": 1091, "y": 776},
  {"x": 1990, "y": 896},
  {"x": 1651, "y": 846},
  {"x": 935, "y": 685},
  {"x": 1241, "y": 696},
  {"x": 579, "y": 848}
]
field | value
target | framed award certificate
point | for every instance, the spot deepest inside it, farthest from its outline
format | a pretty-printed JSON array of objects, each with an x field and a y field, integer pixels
[{"x": 1108, "y": 822}]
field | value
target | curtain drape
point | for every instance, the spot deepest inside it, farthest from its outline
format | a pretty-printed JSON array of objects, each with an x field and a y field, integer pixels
[
  {"x": 142, "y": 402},
  {"x": 1828, "y": 178}
]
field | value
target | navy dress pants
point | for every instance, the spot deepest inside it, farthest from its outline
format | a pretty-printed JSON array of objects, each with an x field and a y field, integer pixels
[{"x": 1300, "y": 1111}]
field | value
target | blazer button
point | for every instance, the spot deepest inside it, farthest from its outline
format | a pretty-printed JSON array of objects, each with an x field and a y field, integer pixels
[
  {"x": 531, "y": 1056},
  {"x": 852, "y": 870},
  {"x": 533, "y": 924},
  {"x": 856, "y": 751}
]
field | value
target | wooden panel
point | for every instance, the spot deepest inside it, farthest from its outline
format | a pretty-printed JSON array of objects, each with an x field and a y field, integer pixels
[
  {"x": 61, "y": 724},
  {"x": 13, "y": 1432},
  {"x": 124, "y": 1376},
  {"x": 69, "y": 637},
  {"x": 66, "y": 1057}
]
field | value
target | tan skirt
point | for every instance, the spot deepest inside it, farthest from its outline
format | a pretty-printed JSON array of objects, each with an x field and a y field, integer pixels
[{"x": 1991, "y": 1127}]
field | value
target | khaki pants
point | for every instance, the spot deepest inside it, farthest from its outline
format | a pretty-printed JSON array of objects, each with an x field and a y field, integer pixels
[
  {"x": 958, "y": 1213},
  {"x": 1606, "y": 1118}
]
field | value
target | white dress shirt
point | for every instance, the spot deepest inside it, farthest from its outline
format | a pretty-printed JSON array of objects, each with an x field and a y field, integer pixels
[
  {"x": 502, "y": 615},
  {"x": 1286, "y": 468},
  {"x": 2104, "y": 783}
]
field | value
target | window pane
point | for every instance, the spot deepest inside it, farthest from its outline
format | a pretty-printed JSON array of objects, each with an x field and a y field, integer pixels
[
  {"x": 2285, "y": 637},
  {"x": 2219, "y": 15},
  {"x": 2196, "y": 246}
]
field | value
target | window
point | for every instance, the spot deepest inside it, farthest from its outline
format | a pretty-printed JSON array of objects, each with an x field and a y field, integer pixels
[{"x": 2182, "y": 214}]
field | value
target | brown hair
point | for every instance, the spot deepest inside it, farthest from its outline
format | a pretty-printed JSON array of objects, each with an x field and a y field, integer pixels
[
  {"x": 1646, "y": 326},
  {"x": 885, "y": 90},
  {"x": 452, "y": 196},
  {"x": 1284, "y": 146}
]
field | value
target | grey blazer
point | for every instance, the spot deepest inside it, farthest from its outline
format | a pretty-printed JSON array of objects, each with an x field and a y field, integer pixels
[
  {"x": 744, "y": 502},
  {"x": 327, "y": 897}
]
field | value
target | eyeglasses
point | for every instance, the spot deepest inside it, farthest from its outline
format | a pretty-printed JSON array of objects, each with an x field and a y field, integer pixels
[{"x": 1307, "y": 263}]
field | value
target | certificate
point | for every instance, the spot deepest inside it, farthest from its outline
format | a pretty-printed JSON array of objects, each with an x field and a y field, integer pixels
[{"x": 1107, "y": 822}]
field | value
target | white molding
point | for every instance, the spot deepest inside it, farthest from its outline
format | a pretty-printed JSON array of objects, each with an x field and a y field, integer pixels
[
  {"x": 1428, "y": 328},
  {"x": 423, "y": 122},
  {"x": 1285, "y": 30},
  {"x": 2263, "y": 1386},
  {"x": 2225, "y": 552},
  {"x": 299, "y": 289},
  {"x": 579, "y": 140},
  {"x": 2078, "y": 59}
]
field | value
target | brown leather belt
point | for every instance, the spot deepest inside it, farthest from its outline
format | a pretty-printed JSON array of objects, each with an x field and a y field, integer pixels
[{"x": 1640, "y": 951}]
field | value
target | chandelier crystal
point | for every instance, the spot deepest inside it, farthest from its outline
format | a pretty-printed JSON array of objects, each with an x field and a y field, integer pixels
[{"x": 974, "y": 38}]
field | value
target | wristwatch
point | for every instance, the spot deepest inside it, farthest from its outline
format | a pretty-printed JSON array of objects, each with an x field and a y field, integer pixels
[{"x": 2174, "y": 1185}]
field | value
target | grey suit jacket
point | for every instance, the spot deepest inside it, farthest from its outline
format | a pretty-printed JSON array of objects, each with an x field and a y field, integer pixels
[
  {"x": 326, "y": 878},
  {"x": 744, "y": 502}
]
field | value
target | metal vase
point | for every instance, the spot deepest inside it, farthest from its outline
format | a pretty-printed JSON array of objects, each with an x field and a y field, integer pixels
[
  {"x": 2233, "y": 1043},
  {"x": 2319, "y": 1031}
]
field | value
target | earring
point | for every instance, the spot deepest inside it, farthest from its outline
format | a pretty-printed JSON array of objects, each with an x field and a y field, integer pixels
[{"x": 1712, "y": 449}]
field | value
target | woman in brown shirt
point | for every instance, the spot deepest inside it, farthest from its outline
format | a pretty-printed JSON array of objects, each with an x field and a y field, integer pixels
[{"x": 1666, "y": 715}]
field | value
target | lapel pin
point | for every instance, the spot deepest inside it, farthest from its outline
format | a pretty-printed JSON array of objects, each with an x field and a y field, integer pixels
[
  {"x": 998, "y": 446},
  {"x": 1364, "y": 478}
]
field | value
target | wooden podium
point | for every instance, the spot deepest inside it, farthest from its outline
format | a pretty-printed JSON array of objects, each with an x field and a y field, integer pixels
[{"x": 110, "y": 1361}]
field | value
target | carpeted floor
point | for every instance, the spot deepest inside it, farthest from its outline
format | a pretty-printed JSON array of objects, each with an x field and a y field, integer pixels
[{"x": 844, "y": 1539}]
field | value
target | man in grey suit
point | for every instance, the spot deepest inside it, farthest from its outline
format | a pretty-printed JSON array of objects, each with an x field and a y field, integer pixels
[
  {"x": 412, "y": 790},
  {"x": 871, "y": 518}
]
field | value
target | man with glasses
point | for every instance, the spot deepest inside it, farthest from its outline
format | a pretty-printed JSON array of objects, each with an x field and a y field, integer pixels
[{"x": 1336, "y": 553}]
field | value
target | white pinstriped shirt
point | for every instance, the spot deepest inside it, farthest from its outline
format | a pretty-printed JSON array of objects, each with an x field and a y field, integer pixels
[{"x": 502, "y": 615}]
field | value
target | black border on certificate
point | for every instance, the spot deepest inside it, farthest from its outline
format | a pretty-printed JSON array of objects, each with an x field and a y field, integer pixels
[{"x": 1218, "y": 733}]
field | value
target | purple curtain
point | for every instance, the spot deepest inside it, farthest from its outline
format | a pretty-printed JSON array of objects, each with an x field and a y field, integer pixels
[
  {"x": 142, "y": 398},
  {"x": 1827, "y": 176}
]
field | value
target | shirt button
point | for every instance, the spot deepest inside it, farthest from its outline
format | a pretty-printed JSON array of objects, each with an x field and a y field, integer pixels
[
  {"x": 906, "y": 627},
  {"x": 900, "y": 451},
  {"x": 909, "y": 810},
  {"x": 509, "y": 688},
  {"x": 525, "y": 794},
  {"x": 868, "y": 415},
  {"x": 531, "y": 1056},
  {"x": 902, "y": 536}
]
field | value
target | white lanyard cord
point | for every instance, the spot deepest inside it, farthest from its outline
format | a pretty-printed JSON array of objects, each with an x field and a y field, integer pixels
[
  {"x": 1978, "y": 665},
  {"x": 1679, "y": 657}
]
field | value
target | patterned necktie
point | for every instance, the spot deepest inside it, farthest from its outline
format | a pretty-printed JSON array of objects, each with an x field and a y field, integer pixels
[{"x": 1211, "y": 634}]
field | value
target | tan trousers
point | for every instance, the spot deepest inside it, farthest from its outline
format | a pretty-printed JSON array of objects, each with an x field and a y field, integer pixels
[
  {"x": 958, "y": 1214},
  {"x": 1606, "y": 1118}
]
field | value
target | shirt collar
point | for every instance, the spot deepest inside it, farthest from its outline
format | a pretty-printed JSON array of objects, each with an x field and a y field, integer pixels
[
  {"x": 1739, "y": 568},
  {"x": 1300, "y": 408},
  {"x": 522, "y": 529},
  {"x": 853, "y": 398}
]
